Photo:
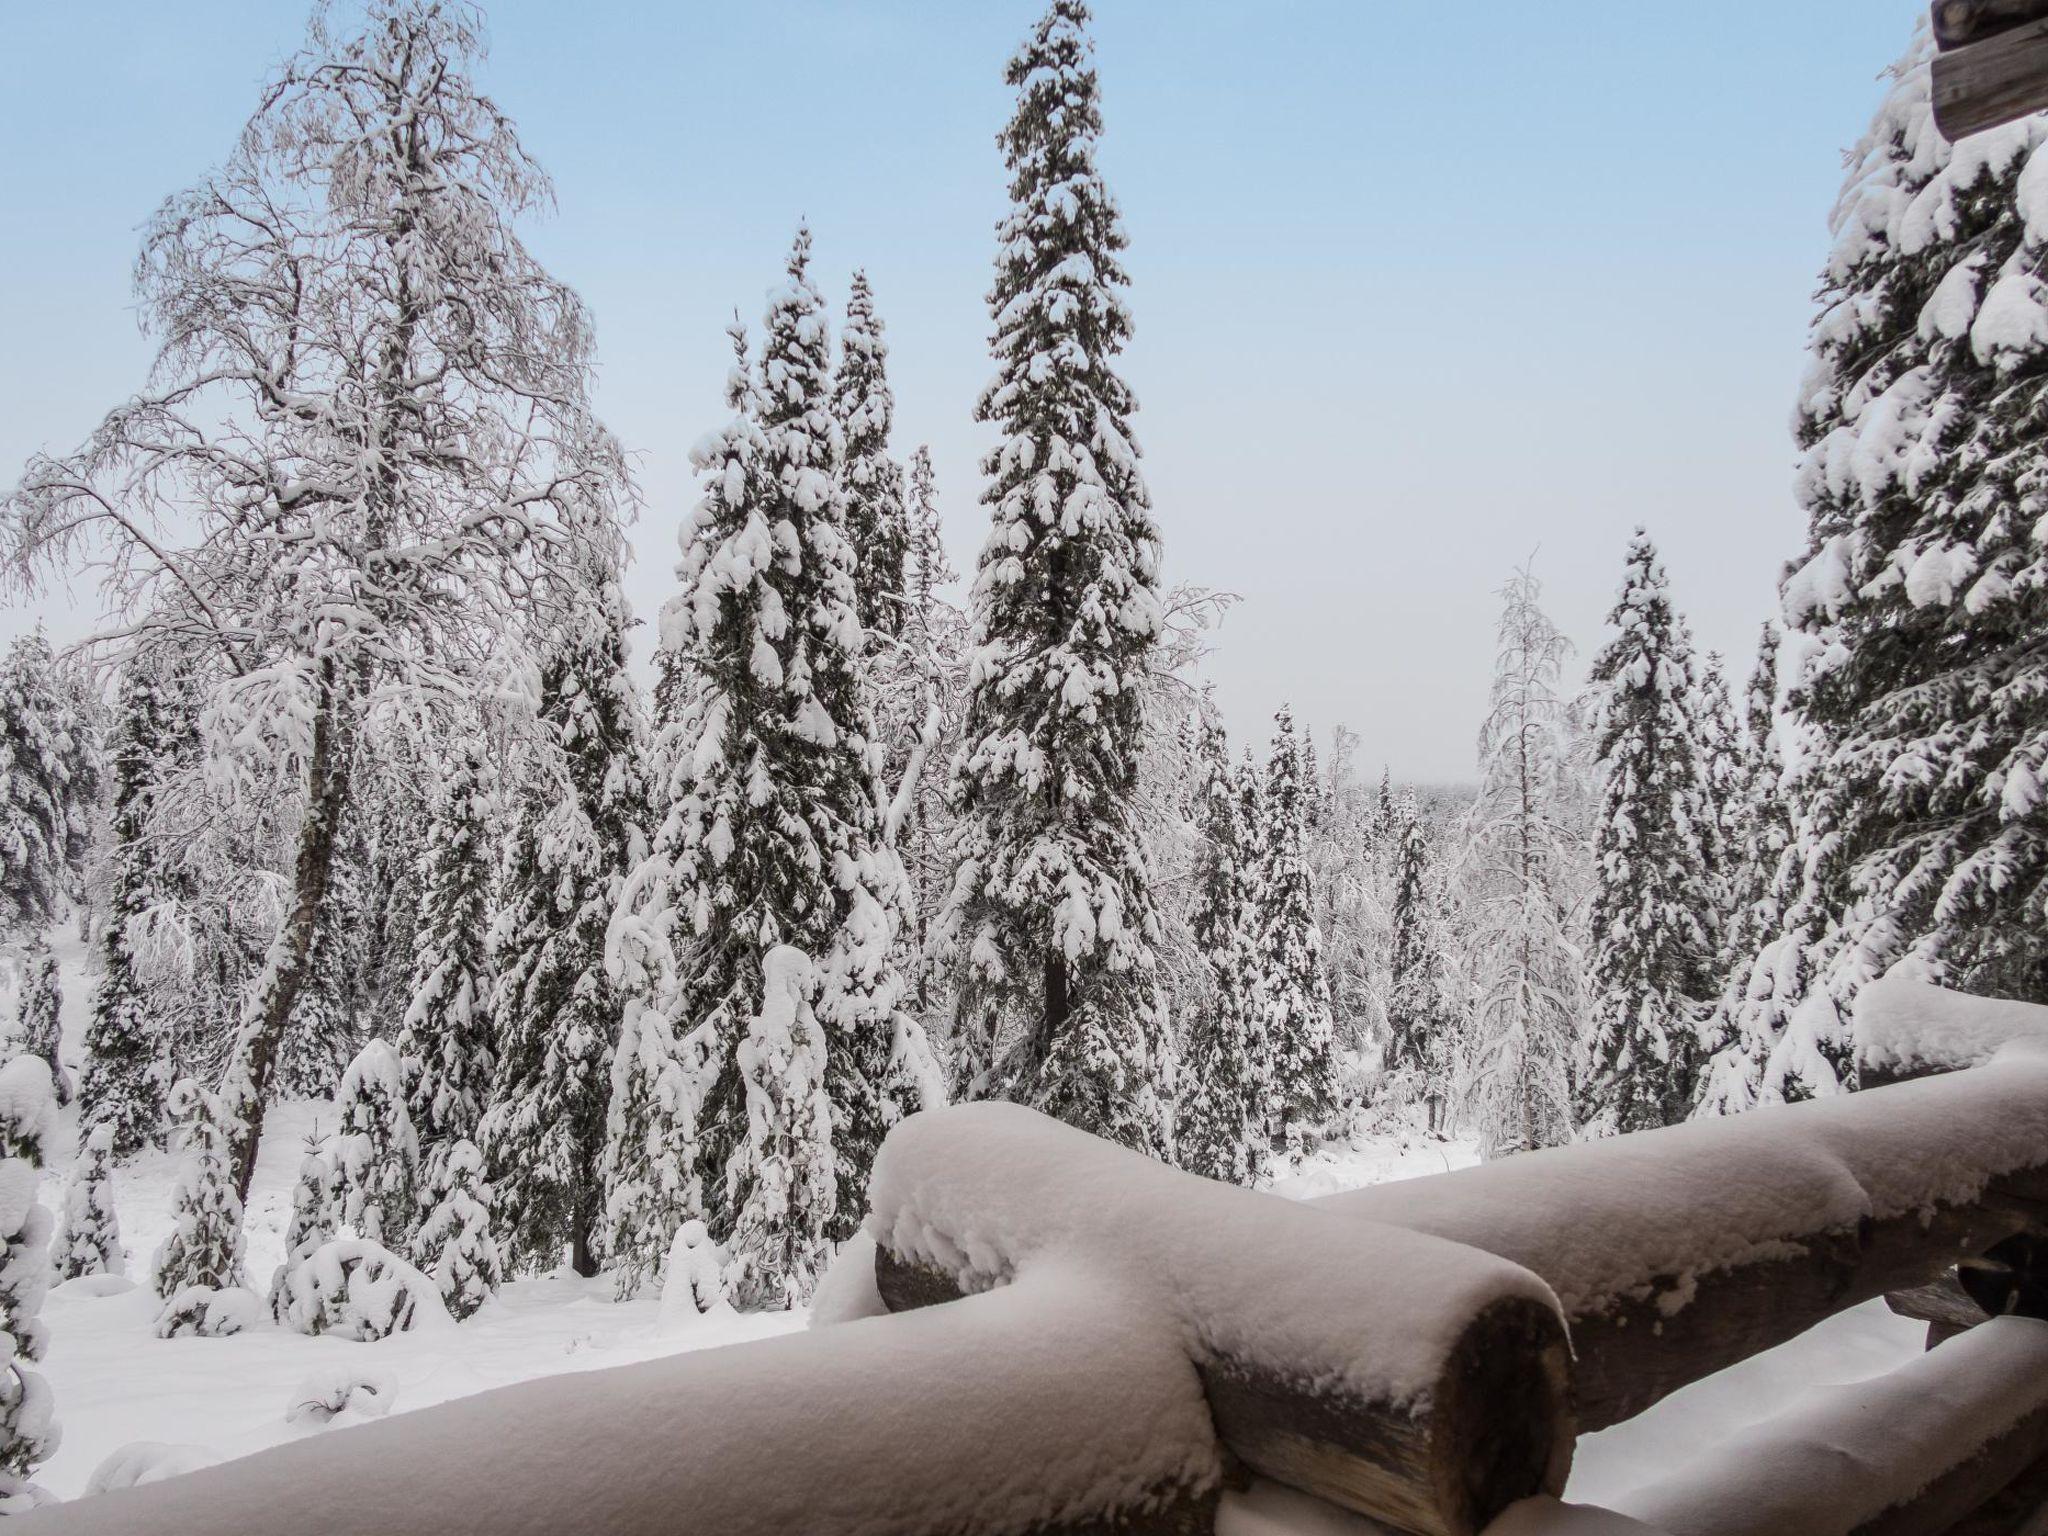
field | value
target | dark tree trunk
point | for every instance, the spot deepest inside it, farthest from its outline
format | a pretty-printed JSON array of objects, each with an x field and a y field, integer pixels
[{"x": 263, "y": 1025}]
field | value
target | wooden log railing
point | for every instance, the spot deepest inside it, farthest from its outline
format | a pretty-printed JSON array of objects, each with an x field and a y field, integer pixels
[
  {"x": 1992, "y": 67},
  {"x": 1087, "y": 1342}
]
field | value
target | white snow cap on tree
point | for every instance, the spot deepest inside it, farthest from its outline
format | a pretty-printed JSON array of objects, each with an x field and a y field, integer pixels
[
  {"x": 204, "y": 1247},
  {"x": 376, "y": 1154},
  {"x": 782, "y": 1178},
  {"x": 455, "y": 1243},
  {"x": 89, "y": 1242}
]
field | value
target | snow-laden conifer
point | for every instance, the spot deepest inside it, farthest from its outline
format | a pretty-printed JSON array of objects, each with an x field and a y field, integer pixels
[
  {"x": 376, "y": 1152},
  {"x": 316, "y": 1197},
  {"x": 455, "y": 1244},
  {"x": 204, "y": 1247},
  {"x": 871, "y": 482},
  {"x": 1528, "y": 868},
  {"x": 1051, "y": 916},
  {"x": 1653, "y": 968},
  {"x": 771, "y": 831},
  {"x": 1222, "y": 1130},
  {"x": 127, "y": 1038},
  {"x": 89, "y": 1237},
  {"x": 1293, "y": 989},
  {"x": 447, "y": 1047},
  {"x": 47, "y": 780},
  {"x": 40, "y": 1029},
  {"x": 1423, "y": 1014},
  {"x": 781, "y": 1179},
  {"x": 1921, "y": 773},
  {"x": 28, "y": 1432},
  {"x": 557, "y": 1008}
]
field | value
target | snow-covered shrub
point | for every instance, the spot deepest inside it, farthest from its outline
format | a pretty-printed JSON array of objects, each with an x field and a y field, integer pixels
[
  {"x": 147, "y": 1461},
  {"x": 455, "y": 1244},
  {"x": 376, "y": 1154},
  {"x": 327, "y": 1395},
  {"x": 312, "y": 1225},
  {"x": 28, "y": 1432},
  {"x": 355, "y": 1289},
  {"x": 693, "y": 1283},
  {"x": 782, "y": 1175},
  {"x": 204, "y": 1248},
  {"x": 210, "y": 1312},
  {"x": 89, "y": 1243}
]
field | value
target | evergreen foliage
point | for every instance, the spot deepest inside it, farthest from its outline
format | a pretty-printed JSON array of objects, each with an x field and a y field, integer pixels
[
  {"x": 204, "y": 1247},
  {"x": 316, "y": 1197},
  {"x": 1051, "y": 917},
  {"x": 28, "y": 1431},
  {"x": 455, "y": 1244},
  {"x": 1293, "y": 989},
  {"x": 556, "y": 1007},
  {"x": 89, "y": 1241},
  {"x": 1422, "y": 1011},
  {"x": 871, "y": 483},
  {"x": 377, "y": 1154},
  {"x": 48, "y": 780},
  {"x": 41, "y": 1028},
  {"x": 1654, "y": 950}
]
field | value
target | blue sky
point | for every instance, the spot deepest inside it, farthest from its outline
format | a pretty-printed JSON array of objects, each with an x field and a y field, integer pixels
[{"x": 1418, "y": 289}]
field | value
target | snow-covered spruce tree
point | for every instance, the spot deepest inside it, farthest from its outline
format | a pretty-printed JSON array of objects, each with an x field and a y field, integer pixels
[
  {"x": 1222, "y": 1131},
  {"x": 41, "y": 1026},
  {"x": 1050, "y": 919},
  {"x": 1922, "y": 769},
  {"x": 325, "y": 1029},
  {"x": 376, "y": 1153},
  {"x": 28, "y": 1433},
  {"x": 89, "y": 1241},
  {"x": 772, "y": 832},
  {"x": 1653, "y": 958},
  {"x": 446, "y": 1045},
  {"x": 126, "y": 1041},
  {"x": 342, "y": 300},
  {"x": 871, "y": 482},
  {"x": 556, "y": 1007},
  {"x": 47, "y": 779},
  {"x": 1750, "y": 1016},
  {"x": 204, "y": 1248},
  {"x": 315, "y": 1198},
  {"x": 1528, "y": 867},
  {"x": 1423, "y": 1015},
  {"x": 1293, "y": 990},
  {"x": 455, "y": 1243},
  {"x": 782, "y": 1176}
]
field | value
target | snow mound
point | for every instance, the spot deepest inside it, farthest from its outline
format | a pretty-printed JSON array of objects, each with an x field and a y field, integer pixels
[
  {"x": 92, "y": 1288},
  {"x": 205, "y": 1312},
  {"x": 356, "y": 1289},
  {"x": 1908, "y": 1027},
  {"x": 341, "y": 1391},
  {"x": 147, "y": 1461},
  {"x": 848, "y": 1293}
]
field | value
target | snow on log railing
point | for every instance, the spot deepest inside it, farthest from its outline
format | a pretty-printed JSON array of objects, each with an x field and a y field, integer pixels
[
  {"x": 1418, "y": 1381},
  {"x": 1678, "y": 1252}
]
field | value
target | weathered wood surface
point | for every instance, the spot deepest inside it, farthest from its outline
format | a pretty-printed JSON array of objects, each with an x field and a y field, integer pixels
[
  {"x": 1994, "y": 81},
  {"x": 1957, "y": 22},
  {"x": 1941, "y": 1300},
  {"x": 1423, "y": 1384}
]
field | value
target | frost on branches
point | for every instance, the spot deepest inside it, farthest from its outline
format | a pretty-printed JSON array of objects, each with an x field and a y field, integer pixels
[
  {"x": 871, "y": 482},
  {"x": 376, "y": 1153},
  {"x": 28, "y": 1432},
  {"x": 1051, "y": 917},
  {"x": 1657, "y": 856},
  {"x": 781, "y": 1179},
  {"x": 338, "y": 306},
  {"x": 89, "y": 1241},
  {"x": 1292, "y": 989},
  {"x": 1222, "y": 1130},
  {"x": 557, "y": 1008},
  {"x": 1922, "y": 594},
  {"x": 1527, "y": 867}
]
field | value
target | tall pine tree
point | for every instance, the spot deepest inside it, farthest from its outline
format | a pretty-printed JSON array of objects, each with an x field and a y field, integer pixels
[
  {"x": 1293, "y": 988},
  {"x": 48, "y": 780},
  {"x": 557, "y": 1009},
  {"x": 1653, "y": 938},
  {"x": 1421, "y": 1012},
  {"x": 1051, "y": 914},
  {"x": 871, "y": 482}
]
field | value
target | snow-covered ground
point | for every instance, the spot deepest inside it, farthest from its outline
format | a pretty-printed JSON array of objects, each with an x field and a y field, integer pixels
[{"x": 116, "y": 1384}]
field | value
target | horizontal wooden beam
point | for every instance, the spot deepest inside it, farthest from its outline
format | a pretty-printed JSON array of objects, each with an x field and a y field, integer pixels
[
  {"x": 1957, "y": 22},
  {"x": 1991, "y": 82}
]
